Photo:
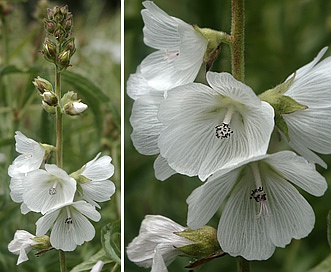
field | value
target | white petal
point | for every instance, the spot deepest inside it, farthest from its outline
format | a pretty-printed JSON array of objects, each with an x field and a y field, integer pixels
[
  {"x": 227, "y": 85},
  {"x": 311, "y": 128},
  {"x": 291, "y": 215},
  {"x": 137, "y": 86},
  {"x": 161, "y": 72},
  {"x": 87, "y": 210},
  {"x": 297, "y": 170},
  {"x": 16, "y": 188},
  {"x": 98, "y": 191},
  {"x": 99, "y": 169},
  {"x": 45, "y": 223},
  {"x": 98, "y": 266},
  {"x": 205, "y": 200},
  {"x": 240, "y": 232},
  {"x": 162, "y": 169},
  {"x": 158, "y": 262},
  {"x": 304, "y": 70},
  {"x": 161, "y": 30},
  {"x": 146, "y": 125}
]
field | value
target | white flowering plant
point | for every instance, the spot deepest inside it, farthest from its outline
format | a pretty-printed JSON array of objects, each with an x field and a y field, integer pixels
[
  {"x": 60, "y": 177},
  {"x": 256, "y": 158}
]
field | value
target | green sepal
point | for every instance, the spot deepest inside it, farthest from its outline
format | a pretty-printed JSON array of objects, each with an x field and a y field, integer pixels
[
  {"x": 69, "y": 96},
  {"x": 78, "y": 177},
  {"x": 205, "y": 242},
  {"x": 214, "y": 38},
  {"x": 282, "y": 104},
  {"x": 43, "y": 242}
]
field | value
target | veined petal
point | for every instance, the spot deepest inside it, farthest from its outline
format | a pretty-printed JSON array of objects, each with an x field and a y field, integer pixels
[
  {"x": 240, "y": 232},
  {"x": 16, "y": 188},
  {"x": 205, "y": 200},
  {"x": 227, "y": 85},
  {"x": 97, "y": 191},
  {"x": 99, "y": 168},
  {"x": 291, "y": 215},
  {"x": 160, "y": 30},
  {"x": 158, "y": 262},
  {"x": 87, "y": 210},
  {"x": 146, "y": 125},
  {"x": 299, "y": 171},
  {"x": 308, "y": 67},
  {"x": 45, "y": 223},
  {"x": 311, "y": 127},
  {"x": 162, "y": 169}
]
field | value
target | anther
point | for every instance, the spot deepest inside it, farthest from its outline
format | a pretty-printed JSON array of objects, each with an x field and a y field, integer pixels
[
  {"x": 68, "y": 221},
  {"x": 52, "y": 191}
]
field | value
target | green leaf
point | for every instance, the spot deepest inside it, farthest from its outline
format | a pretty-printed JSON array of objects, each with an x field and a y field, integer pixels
[
  {"x": 13, "y": 69},
  {"x": 88, "y": 264},
  {"x": 111, "y": 241},
  {"x": 328, "y": 222}
]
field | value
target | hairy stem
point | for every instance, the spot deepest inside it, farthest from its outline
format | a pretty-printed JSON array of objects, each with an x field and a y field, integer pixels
[{"x": 243, "y": 265}]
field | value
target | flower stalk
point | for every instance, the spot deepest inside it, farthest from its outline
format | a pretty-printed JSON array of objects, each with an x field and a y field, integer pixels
[{"x": 238, "y": 69}]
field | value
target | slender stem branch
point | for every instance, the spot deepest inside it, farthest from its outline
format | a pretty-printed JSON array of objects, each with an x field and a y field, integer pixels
[
  {"x": 115, "y": 267},
  {"x": 62, "y": 257},
  {"x": 238, "y": 68},
  {"x": 59, "y": 147},
  {"x": 243, "y": 265},
  {"x": 59, "y": 125},
  {"x": 237, "y": 34}
]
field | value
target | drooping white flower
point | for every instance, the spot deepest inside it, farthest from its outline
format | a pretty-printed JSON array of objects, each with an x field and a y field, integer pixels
[
  {"x": 207, "y": 128},
  {"x": 180, "y": 49},
  {"x": 71, "y": 226},
  {"x": 97, "y": 187},
  {"x": 46, "y": 189},
  {"x": 21, "y": 245},
  {"x": 32, "y": 155},
  {"x": 264, "y": 210},
  {"x": 309, "y": 130},
  {"x": 158, "y": 262},
  {"x": 75, "y": 108},
  {"x": 157, "y": 233}
]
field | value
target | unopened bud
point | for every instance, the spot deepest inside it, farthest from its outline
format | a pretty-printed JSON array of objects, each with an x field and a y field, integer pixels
[
  {"x": 47, "y": 107},
  {"x": 49, "y": 25},
  {"x": 42, "y": 85},
  {"x": 68, "y": 23},
  {"x": 63, "y": 60},
  {"x": 49, "y": 50},
  {"x": 74, "y": 108},
  {"x": 205, "y": 241},
  {"x": 50, "y": 98},
  {"x": 69, "y": 45}
]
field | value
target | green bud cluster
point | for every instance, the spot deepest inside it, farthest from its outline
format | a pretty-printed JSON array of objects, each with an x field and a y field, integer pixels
[{"x": 59, "y": 25}]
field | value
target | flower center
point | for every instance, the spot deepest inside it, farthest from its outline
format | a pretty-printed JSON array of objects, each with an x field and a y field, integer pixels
[
  {"x": 68, "y": 222},
  {"x": 224, "y": 131},
  {"x": 259, "y": 194},
  {"x": 52, "y": 190}
]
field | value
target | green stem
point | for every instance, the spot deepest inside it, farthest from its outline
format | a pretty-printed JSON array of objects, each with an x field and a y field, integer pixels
[
  {"x": 238, "y": 68},
  {"x": 237, "y": 34},
  {"x": 59, "y": 119},
  {"x": 115, "y": 267},
  {"x": 62, "y": 257},
  {"x": 243, "y": 265},
  {"x": 59, "y": 147}
]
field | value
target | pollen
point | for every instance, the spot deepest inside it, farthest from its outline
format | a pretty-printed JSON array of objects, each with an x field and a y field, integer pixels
[
  {"x": 223, "y": 131},
  {"x": 258, "y": 194}
]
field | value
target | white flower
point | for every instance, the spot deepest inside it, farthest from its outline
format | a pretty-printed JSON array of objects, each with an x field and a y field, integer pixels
[
  {"x": 180, "y": 49},
  {"x": 157, "y": 234},
  {"x": 264, "y": 210},
  {"x": 205, "y": 129},
  {"x": 74, "y": 108},
  {"x": 46, "y": 189},
  {"x": 98, "y": 187},
  {"x": 71, "y": 227},
  {"x": 310, "y": 129},
  {"x": 32, "y": 155},
  {"x": 158, "y": 262},
  {"x": 21, "y": 245}
]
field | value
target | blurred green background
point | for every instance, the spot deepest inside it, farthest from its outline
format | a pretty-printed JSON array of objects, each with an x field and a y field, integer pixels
[
  {"x": 281, "y": 36},
  {"x": 95, "y": 75}
]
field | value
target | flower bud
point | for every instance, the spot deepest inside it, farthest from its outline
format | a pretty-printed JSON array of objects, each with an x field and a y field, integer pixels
[
  {"x": 50, "y": 98},
  {"x": 68, "y": 24},
  {"x": 74, "y": 108},
  {"x": 49, "y": 50},
  {"x": 43, "y": 242},
  {"x": 42, "y": 85},
  {"x": 63, "y": 60},
  {"x": 69, "y": 45},
  {"x": 49, "y": 25},
  {"x": 47, "y": 107},
  {"x": 205, "y": 239}
]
